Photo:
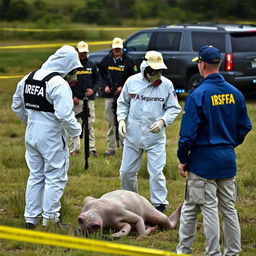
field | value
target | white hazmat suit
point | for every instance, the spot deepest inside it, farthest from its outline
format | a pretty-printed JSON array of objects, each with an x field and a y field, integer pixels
[
  {"x": 141, "y": 104},
  {"x": 47, "y": 155}
]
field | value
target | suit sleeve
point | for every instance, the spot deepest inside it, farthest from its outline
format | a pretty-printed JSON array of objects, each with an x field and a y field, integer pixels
[
  {"x": 18, "y": 105},
  {"x": 61, "y": 96},
  {"x": 189, "y": 128},
  {"x": 244, "y": 124},
  {"x": 123, "y": 103},
  {"x": 171, "y": 107}
]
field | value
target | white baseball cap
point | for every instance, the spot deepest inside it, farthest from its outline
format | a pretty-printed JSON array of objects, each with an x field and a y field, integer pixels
[
  {"x": 117, "y": 43},
  {"x": 155, "y": 60},
  {"x": 82, "y": 47}
]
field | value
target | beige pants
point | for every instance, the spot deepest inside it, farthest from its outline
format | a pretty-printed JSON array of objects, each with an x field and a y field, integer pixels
[
  {"x": 110, "y": 117},
  {"x": 209, "y": 197},
  {"x": 77, "y": 109}
]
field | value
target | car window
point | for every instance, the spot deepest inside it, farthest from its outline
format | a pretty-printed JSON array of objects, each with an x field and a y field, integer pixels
[
  {"x": 139, "y": 42},
  {"x": 168, "y": 41},
  {"x": 208, "y": 38},
  {"x": 243, "y": 42}
]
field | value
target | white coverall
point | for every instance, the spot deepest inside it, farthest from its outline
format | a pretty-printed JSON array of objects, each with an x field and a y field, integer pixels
[
  {"x": 140, "y": 104},
  {"x": 47, "y": 155}
]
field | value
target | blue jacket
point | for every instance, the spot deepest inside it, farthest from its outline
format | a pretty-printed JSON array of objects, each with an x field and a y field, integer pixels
[{"x": 215, "y": 121}]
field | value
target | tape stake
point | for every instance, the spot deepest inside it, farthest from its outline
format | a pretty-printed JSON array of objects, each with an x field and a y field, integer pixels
[{"x": 31, "y": 236}]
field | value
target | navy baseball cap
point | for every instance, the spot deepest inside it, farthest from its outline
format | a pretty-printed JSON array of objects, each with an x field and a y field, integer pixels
[{"x": 209, "y": 54}]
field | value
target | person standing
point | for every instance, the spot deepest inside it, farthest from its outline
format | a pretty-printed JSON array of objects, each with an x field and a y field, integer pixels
[
  {"x": 87, "y": 86},
  {"x": 146, "y": 105},
  {"x": 215, "y": 121},
  {"x": 114, "y": 69},
  {"x": 43, "y": 101}
]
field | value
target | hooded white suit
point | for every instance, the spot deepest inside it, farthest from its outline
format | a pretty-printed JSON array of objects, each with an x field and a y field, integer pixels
[
  {"x": 46, "y": 137},
  {"x": 141, "y": 104}
]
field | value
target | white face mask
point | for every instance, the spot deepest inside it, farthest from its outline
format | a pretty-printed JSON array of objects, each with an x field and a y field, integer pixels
[{"x": 153, "y": 76}]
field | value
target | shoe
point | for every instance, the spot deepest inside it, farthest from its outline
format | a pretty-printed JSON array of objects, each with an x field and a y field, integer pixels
[
  {"x": 161, "y": 208},
  {"x": 110, "y": 152},
  {"x": 30, "y": 225},
  {"x": 58, "y": 224},
  {"x": 62, "y": 226},
  {"x": 94, "y": 153}
]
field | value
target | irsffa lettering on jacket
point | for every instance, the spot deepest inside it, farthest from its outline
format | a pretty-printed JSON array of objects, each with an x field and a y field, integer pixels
[{"x": 222, "y": 99}]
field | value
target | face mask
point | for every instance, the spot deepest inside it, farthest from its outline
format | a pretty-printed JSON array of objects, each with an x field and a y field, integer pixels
[
  {"x": 153, "y": 76},
  {"x": 71, "y": 78}
]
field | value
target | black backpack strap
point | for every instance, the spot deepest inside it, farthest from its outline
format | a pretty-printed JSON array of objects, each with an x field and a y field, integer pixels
[
  {"x": 31, "y": 75},
  {"x": 48, "y": 77}
]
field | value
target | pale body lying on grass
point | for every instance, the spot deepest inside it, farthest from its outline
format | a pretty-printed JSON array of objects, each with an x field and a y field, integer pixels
[{"x": 121, "y": 210}]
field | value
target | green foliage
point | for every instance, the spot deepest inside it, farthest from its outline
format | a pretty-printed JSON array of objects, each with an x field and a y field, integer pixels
[
  {"x": 52, "y": 20},
  {"x": 118, "y": 12},
  {"x": 15, "y": 10}
]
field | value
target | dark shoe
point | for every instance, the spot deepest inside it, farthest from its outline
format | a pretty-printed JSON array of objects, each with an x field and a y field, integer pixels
[
  {"x": 161, "y": 208},
  {"x": 30, "y": 226},
  {"x": 62, "y": 226},
  {"x": 94, "y": 153},
  {"x": 109, "y": 153}
]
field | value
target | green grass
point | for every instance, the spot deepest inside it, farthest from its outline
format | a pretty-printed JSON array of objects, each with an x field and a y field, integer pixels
[{"x": 103, "y": 173}]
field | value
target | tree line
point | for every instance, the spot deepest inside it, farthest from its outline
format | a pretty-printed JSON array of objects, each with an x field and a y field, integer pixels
[{"x": 117, "y": 12}]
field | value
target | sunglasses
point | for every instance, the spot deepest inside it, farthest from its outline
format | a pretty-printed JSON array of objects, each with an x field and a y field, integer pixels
[{"x": 153, "y": 71}]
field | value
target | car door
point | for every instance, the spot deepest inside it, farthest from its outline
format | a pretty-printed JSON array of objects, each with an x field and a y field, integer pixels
[{"x": 137, "y": 45}]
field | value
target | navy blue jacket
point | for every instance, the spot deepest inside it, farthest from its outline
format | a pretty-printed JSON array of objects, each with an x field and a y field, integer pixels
[
  {"x": 87, "y": 77},
  {"x": 115, "y": 72},
  {"x": 215, "y": 121}
]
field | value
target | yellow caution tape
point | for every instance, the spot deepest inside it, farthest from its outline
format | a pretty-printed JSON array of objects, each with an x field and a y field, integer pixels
[
  {"x": 69, "y": 29},
  {"x": 32, "y": 236},
  {"x": 33, "y": 46},
  {"x": 7, "y": 77}
]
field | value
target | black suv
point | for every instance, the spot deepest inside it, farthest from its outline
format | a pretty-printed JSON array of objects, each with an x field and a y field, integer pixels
[{"x": 180, "y": 43}]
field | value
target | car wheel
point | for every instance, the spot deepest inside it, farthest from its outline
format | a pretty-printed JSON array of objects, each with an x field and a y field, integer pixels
[{"x": 193, "y": 81}]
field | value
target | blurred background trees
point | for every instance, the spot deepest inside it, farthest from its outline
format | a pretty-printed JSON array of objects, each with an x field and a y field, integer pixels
[{"x": 127, "y": 12}]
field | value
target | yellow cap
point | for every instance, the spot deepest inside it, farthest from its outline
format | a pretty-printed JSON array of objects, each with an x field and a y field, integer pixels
[
  {"x": 155, "y": 60},
  {"x": 117, "y": 43},
  {"x": 82, "y": 47}
]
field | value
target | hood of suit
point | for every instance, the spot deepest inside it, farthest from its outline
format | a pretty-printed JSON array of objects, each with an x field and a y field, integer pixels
[{"x": 64, "y": 60}]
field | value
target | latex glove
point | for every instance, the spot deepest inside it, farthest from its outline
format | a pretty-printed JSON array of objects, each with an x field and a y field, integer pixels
[
  {"x": 157, "y": 126},
  {"x": 76, "y": 144},
  {"x": 122, "y": 128}
]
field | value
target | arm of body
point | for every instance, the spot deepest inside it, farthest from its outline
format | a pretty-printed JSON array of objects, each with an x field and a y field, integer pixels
[
  {"x": 123, "y": 103},
  {"x": 18, "y": 102},
  {"x": 171, "y": 107},
  {"x": 61, "y": 96}
]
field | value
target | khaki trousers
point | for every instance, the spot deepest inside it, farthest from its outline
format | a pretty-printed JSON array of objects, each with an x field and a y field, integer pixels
[
  {"x": 210, "y": 197},
  {"x": 77, "y": 109},
  {"x": 110, "y": 117}
]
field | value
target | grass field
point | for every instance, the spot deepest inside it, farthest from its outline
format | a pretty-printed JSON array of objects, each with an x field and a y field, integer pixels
[{"x": 103, "y": 173}]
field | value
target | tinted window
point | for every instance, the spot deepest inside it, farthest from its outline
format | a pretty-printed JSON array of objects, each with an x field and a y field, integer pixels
[
  {"x": 168, "y": 41},
  {"x": 139, "y": 42},
  {"x": 208, "y": 38},
  {"x": 243, "y": 42}
]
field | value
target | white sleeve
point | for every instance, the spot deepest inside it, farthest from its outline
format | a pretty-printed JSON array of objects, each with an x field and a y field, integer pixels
[
  {"x": 18, "y": 105},
  {"x": 61, "y": 96},
  {"x": 123, "y": 103},
  {"x": 171, "y": 106}
]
